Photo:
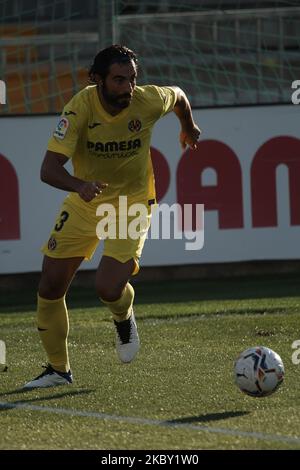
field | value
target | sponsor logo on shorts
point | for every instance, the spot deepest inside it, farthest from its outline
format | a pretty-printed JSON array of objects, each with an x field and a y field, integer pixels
[
  {"x": 52, "y": 244},
  {"x": 134, "y": 125},
  {"x": 61, "y": 128}
]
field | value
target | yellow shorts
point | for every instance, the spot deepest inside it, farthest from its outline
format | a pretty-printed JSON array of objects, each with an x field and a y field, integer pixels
[{"x": 74, "y": 234}]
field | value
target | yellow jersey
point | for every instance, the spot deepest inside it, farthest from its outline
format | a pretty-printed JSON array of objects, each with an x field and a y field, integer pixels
[{"x": 112, "y": 149}]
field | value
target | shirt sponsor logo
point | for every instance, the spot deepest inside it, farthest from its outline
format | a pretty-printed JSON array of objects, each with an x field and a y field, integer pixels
[
  {"x": 61, "y": 128},
  {"x": 134, "y": 125},
  {"x": 114, "y": 147}
]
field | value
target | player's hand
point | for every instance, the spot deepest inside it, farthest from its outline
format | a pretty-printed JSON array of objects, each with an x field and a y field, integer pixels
[
  {"x": 189, "y": 137},
  {"x": 90, "y": 189}
]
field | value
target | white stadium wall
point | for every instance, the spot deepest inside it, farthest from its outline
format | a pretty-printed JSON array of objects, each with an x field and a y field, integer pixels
[{"x": 246, "y": 172}]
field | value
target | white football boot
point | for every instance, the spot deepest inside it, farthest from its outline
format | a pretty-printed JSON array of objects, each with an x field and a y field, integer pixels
[
  {"x": 127, "y": 339},
  {"x": 50, "y": 378}
]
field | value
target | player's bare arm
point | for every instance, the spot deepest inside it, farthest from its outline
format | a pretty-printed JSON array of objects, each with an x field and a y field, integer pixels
[
  {"x": 54, "y": 174},
  {"x": 190, "y": 132}
]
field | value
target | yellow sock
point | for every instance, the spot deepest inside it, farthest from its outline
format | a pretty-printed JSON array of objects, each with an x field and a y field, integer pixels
[
  {"x": 53, "y": 327},
  {"x": 121, "y": 308}
]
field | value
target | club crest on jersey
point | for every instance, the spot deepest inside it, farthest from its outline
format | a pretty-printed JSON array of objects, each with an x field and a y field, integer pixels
[
  {"x": 61, "y": 128},
  {"x": 134, "y": 125},
  {"x": 52, "y": 244}
]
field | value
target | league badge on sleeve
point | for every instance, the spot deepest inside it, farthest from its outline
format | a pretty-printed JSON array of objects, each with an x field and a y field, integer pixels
[{"x": 61, "y": 128}]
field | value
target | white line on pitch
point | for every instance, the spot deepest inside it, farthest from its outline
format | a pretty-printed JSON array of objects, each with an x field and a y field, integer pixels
[{"x": 152, "y": 422}]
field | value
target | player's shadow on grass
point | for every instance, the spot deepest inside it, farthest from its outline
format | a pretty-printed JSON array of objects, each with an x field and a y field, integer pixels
[
  {"x": 207, "y": 417},
  {"x": 41, "y": 398}
]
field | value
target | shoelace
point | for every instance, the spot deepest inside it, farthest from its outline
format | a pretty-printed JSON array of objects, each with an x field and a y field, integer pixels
[{"x": 48, "y": 370}]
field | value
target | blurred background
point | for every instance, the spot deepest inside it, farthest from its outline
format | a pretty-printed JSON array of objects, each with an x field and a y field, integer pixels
[
  {"x": 236, "y": 61},
  {"x": 221, "y": 52}
]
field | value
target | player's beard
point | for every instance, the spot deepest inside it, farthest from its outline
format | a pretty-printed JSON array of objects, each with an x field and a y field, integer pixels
[{"x": 117, "y": 101}]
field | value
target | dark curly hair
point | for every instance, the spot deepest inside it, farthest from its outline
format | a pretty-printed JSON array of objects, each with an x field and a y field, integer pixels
[{"x": 111, "y": 55}]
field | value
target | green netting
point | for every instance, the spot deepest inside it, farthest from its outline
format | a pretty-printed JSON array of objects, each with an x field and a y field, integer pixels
[
  {"x": 220, "y": 52},
  {"x": 46, "y": 47}
]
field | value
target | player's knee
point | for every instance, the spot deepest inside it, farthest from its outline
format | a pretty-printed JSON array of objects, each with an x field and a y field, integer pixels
[
  {"x": 109, "y": 293},
  {"x": 51, "y": 288}
]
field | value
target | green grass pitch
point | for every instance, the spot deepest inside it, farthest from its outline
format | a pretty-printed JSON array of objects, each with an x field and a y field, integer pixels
[{"x": 179, "y": 392}]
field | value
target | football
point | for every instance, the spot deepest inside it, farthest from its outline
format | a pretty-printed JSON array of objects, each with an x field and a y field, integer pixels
[{"x": 258, "y": 371}]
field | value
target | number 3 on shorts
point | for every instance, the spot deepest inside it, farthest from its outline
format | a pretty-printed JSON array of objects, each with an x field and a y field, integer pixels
[{"x": 63, "y": 217}]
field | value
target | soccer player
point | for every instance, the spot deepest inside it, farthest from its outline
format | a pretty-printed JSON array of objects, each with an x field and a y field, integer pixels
[{"x": 105, "y": 131}]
